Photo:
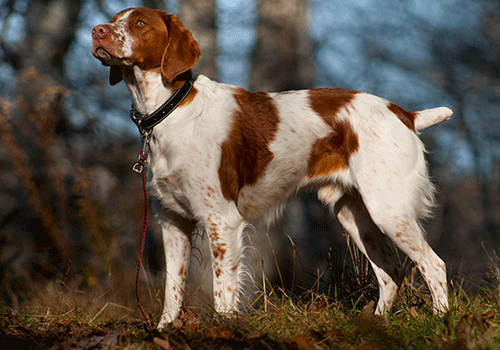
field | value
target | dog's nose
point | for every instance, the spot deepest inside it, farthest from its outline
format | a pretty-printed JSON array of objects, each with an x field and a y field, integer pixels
[{"x": 100, "y": 31}]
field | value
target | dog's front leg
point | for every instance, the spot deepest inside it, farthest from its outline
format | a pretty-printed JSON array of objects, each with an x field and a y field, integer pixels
[
  {"x": 177, "y": 242},
  {"x": 225, "y": 233}
]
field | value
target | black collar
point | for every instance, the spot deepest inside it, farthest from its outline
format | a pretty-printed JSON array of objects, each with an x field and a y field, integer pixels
[{"x": 146, "y": 123}]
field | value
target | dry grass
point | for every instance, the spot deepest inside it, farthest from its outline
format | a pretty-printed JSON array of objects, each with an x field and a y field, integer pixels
[{"x": 62, "y": 317}]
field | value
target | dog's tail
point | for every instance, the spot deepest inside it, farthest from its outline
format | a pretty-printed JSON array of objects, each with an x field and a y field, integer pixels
[{"x": 431, "y": 116}]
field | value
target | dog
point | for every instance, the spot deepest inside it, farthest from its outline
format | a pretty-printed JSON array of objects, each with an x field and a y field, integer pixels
[{"x": 220, "y": 157}]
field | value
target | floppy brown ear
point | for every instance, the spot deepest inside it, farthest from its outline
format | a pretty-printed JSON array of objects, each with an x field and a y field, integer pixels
[
  {"x": 182, "y": 51},
  {"x": 115, "y": 76}
]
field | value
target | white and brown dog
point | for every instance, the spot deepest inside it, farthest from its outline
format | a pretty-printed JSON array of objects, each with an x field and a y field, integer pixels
[{"x": 225, "y": 156}]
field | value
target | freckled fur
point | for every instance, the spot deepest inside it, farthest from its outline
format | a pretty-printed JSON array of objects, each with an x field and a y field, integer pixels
[{"x": 225, "y": 157}]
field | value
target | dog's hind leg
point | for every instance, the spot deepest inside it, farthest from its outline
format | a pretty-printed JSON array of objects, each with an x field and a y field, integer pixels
[
  {"x": 395, "y": 210},
  {"x": 395, "y": 187},
  {"x": 407, "y": 234},
  {"x": 356, "y": 220}
]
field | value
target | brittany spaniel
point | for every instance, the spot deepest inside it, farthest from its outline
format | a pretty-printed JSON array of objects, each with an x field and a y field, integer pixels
[{"x": 222, "y": 156}]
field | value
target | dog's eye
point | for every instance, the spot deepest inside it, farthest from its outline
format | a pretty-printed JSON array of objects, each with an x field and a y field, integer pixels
[{"x": 141, "y": 23}]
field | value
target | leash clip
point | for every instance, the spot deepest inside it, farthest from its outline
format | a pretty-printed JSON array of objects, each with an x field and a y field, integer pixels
[
  {"x": 143, "y": 155},
  {"x": 139, "y": 166}
]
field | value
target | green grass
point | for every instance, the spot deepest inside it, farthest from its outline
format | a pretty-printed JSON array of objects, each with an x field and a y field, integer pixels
[{"x": 69, "y": 319}]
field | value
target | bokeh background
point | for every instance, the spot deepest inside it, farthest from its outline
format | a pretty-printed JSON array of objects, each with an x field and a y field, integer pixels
[{"x": 71, "y": 209}]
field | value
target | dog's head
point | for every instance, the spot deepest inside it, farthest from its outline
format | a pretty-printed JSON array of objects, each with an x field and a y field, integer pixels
[{"x": 148, "y": 39}]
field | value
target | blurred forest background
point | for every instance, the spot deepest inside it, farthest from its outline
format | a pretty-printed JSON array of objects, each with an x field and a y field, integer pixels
[{"x": 71, "y": 209}]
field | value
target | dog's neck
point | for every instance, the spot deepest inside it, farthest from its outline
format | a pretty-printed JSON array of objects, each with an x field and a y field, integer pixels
[{"x": 149, "y": 90}]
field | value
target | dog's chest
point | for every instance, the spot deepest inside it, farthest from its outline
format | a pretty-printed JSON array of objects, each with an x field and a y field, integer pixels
[{"x": 181, "y": 170}]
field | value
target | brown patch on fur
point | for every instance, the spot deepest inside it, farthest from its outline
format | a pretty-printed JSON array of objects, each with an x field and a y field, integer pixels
[
  {"x": 332, "y": 152},
  {"x": 245, "y": 153},
  {"x": 177, "y": 84},
  {"x": 219, "y": 251},
  {"x": 408, "y": 118},
  {"x": 328, "y": 102},
  {"x": 182, "y": 51},
  {"x": 217, "y": 271},
  {"x": 190, "y": 97},
  {"x": 160, "y": 41},
  {"x": 150, "y": 35}
]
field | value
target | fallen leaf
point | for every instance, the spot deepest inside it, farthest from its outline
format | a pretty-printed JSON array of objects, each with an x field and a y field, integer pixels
[
  {"x": 191, "y": 322},
  {"x": 299, "y": 342},
  {"x": 220, "y": 333},
  {"x": 489, "y": 315},
  {"x": 163, "y": 343},
  {"x": 177, "y": 323}
]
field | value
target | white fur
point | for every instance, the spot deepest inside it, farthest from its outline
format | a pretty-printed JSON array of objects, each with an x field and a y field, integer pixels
[
  {"x": 432, "y": 116},
  {"x": 120, "y": 28}
]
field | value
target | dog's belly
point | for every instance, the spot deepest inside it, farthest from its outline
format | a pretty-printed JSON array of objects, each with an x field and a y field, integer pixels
[
  {"x": 255, "y": 205},
  {"x": 282, "y": 180},
  {"x": 265, "y": 197}
]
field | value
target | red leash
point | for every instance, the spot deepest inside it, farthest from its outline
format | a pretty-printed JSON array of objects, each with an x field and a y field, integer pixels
[
  {"x": 139, "y": 168},
  {"x": 145, "y": 123}
]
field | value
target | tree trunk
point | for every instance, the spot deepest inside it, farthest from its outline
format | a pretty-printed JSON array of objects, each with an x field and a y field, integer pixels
[
  {"x": 200, "y": 16},
  {"x": 282, "y": 60},
  {"x": 51, "y": 29},
  {"x": 282, "y": 56}
]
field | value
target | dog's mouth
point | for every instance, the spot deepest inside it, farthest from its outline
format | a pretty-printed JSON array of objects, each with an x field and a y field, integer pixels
[
  {"x": 104, "y": 56},
  {"x": 108, "y": 59}
]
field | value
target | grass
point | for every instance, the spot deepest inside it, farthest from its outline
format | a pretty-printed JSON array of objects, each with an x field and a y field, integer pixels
[{"x": 64, "y": 318}]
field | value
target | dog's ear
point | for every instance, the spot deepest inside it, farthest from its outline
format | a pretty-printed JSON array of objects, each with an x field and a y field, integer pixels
[
  {"x": 115, "y": 76},
  {"x": 182, "y": 51}
]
